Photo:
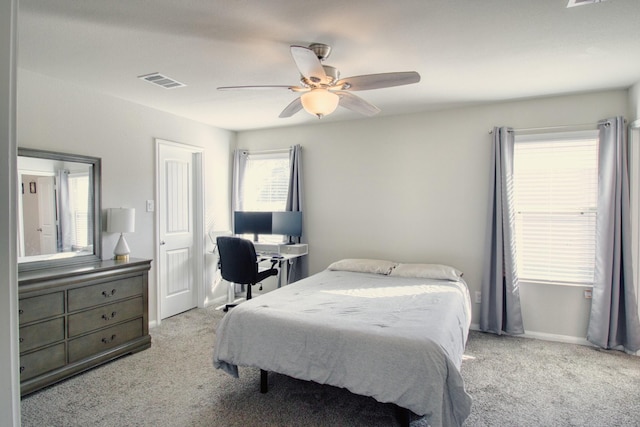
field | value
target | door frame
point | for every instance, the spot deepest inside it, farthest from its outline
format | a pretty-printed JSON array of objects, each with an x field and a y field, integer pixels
[{"x": 198, "y": 222}]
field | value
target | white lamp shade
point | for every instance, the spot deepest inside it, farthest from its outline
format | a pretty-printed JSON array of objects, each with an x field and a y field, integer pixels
[
  {"x": 121, "y": 220},
  {"x": 320, "y": 102}
]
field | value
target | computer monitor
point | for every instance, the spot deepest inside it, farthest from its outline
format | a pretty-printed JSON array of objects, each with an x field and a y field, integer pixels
[
  {"x": 252, "y": 223},
  {"x": 287, "y": 223}
]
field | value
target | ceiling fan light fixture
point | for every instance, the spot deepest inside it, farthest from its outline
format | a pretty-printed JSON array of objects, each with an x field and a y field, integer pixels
[
  {"x": 321, "y": 87},
  {"x": 319, "y": 102}
]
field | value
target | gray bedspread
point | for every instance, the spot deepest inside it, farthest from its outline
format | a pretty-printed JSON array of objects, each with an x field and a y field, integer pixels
[{"x": 398, "y": 340}]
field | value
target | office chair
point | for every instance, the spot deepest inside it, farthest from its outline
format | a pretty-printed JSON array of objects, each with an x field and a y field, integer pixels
[{"x": 239, "y": 264}]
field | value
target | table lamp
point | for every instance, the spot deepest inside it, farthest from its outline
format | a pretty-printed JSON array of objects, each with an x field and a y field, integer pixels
[{"x": 121, "y": 220}]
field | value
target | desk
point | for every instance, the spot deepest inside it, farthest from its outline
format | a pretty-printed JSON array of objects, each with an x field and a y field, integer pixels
[{"x": 280, "y": 259}]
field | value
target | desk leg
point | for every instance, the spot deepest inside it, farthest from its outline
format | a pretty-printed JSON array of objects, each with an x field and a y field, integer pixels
[
  {"x": 283, "y": 272},
  {"x": 279, "y": 276},
  {"x": 231, "y": 293}
]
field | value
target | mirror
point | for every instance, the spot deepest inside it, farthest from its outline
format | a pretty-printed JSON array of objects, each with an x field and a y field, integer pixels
[{"x": 59, "y": 219}]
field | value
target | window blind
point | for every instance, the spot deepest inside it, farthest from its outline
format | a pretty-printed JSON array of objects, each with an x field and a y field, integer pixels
[
  {"x": 266, "y": 182},
  {"x": 80, "y": 227},
  {"x": 79, "y": 205},
  {"x": 555, "y": 201}
]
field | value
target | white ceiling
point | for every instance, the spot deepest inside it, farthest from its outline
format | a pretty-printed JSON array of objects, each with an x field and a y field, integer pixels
[{"x": 467, "y": 51}]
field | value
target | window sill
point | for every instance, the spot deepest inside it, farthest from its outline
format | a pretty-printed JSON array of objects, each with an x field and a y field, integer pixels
[{"x": 572, "y": 285}]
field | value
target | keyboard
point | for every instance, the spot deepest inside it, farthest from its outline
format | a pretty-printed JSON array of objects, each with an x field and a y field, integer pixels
[{"x": 270, "y": 255}]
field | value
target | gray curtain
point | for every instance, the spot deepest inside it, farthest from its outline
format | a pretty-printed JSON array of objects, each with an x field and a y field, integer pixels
[
  {"x": 500, "y": 307},
  {"x": 614, "y": 311},
  {"x": 65, "y": 233},
  {"x": 239, "y": 166},
  {"x": 294, "y": 203}
]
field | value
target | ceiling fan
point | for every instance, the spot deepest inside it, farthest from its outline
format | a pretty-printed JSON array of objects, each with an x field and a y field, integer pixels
[{"x": 322, "y": 88}]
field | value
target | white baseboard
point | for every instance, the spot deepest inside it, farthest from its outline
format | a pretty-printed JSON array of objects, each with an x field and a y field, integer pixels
[
  {"x": 216, "y": 301},
  {"x": 557, "y": 338},
  {"x": 546, "y": 336}
]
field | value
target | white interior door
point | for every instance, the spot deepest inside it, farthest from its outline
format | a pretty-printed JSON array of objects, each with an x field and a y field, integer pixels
[
  {"x": 47, "y": 215},
  {"x": 176, "y": 212}
]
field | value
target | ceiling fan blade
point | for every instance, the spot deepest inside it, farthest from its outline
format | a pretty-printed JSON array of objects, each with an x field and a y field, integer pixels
[
  {"x": 293, "y": 88},
  {"x": 357, "y": 104},
  {"x": 292, "y": 108},
  {"x": 378, "y": 81},
  {"x": 308, "y": 64}
]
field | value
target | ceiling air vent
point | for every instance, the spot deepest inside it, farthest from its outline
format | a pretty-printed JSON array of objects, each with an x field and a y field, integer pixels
[
  {"x": 161, "y": 80},
  {"x": 573, "y": 3}
]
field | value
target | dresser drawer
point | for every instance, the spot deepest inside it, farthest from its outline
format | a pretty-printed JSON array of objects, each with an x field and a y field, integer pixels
[
  {"x": 41, "y": 361},
  {"x": 104, "y": 339},
  {"x": 103, "y": 293},
  {"x": 41, "y": 334},
  {"x": 105, "y": 315},
  {"x": 40, "y": 307}
]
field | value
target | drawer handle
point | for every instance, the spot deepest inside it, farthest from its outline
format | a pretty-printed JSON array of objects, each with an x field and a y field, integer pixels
[
  {"x": 20, "y": 311},
  {"x": 109, "y": 340},
  {"x": 107, "y": 294},
  {"x": 22, "y": 368},
  {"x": 107, "y": 317},
  {"x": 21, "y": 340}
]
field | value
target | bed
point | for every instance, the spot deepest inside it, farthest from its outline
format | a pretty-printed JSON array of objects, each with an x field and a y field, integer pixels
[{"x": 394, "y": 332}]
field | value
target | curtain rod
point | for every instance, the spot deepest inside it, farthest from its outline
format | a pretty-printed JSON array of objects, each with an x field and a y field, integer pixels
[
  {"x": 275, "y": 150},
  {"x": 560, "y": 127}
]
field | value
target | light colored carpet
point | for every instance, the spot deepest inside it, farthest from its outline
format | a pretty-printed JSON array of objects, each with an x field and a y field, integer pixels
[{"x": 513, "y": 381}]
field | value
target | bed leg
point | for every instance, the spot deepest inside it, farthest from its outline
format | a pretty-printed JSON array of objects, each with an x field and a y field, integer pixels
[
  {"x": 264, "y": 385},
  {"x": 404, "y": 416}
]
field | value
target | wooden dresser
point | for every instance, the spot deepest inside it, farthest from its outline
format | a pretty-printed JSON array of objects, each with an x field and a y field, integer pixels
[{"x": 74, "y": 318}]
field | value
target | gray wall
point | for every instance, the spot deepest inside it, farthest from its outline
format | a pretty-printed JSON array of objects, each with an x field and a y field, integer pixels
[
  {"x": 59, "y": 116},
  {"x": 415, "y": 188}
]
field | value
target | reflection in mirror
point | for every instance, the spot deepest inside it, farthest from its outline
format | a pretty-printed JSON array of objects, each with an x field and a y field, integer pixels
[{"x": 59, "y": 208}]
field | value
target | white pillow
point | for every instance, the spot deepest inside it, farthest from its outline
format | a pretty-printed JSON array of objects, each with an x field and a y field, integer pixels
[
  {"x": 376, "y": 266},
  {"x": 427, "y": 271}
]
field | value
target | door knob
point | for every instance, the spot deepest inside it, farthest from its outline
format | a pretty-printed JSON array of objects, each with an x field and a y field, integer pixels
[{"x": 162, "y": 242}]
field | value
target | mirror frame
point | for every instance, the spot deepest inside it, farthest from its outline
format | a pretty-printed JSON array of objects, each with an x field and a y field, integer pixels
[{"x": 96, "y": 164}]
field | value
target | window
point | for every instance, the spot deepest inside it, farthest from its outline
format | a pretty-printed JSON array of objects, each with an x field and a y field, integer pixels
[
  {"x": 265, "y": 184},
  {"x": 79, "y": 207},
  {"x": 555, "y": 205}
]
